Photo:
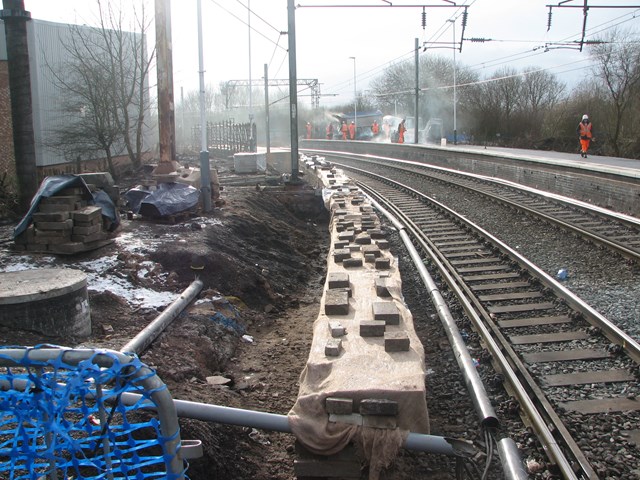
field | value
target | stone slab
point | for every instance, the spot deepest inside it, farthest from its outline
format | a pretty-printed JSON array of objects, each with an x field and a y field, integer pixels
[
  {"x": 371, "y": 328},
  {"x": 339, "y": 405},
  {"x": 333, "y": 347},
  {"x": 338, "y": 280}
]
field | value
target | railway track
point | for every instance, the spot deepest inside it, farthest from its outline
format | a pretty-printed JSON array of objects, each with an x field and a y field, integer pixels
[
  {"x": 615, "y": 231},
  {"x": 568, "y": 366}
]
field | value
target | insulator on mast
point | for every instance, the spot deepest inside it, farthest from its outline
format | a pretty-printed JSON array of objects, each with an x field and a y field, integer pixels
[
  {"x": 424, "y": 18},
  {"x": 549, "y": 20},
  {"x": 465, "y": 14}
]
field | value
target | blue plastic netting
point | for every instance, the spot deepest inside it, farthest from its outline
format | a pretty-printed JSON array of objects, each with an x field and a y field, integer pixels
[{"x": 61, "y": 420}]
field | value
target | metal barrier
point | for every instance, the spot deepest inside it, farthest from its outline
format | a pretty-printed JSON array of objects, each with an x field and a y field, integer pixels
[{"x": 62, "y": 416}]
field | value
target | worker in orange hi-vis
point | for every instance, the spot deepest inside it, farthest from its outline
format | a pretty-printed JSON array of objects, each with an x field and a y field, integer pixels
[
  {"x": 401, "y": 130},
  {"x": 375, "y": 128},
  {"x": 344, "y": 130},
  {"x": 586, "y": 133},
  {"x": 352, "y": 130},
  {"x": 330, "y": 131},
  {"x": 308, "y": 130}
]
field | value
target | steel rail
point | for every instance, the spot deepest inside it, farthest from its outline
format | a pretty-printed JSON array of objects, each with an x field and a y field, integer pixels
[
  {"x": 510, "y": 456},
  {"x": 539, "y": 423},
  {"x": 611, "y": 331}
]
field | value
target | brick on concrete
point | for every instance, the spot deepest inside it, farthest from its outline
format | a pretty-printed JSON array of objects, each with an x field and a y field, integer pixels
[
  {"x": 383, "y": 263},
  {"x": 337, "y": 329},
  {"x": 336, "y": 302},
  {"x": 381, "y": 287},
  {"x": 352, "y": 262},
  {"x": 383, "y": 244},
  {"x": 377, "y": 234},
  {"x": 346, "y": 236},
  {"x": 341, "y": 255},
  {"x": 378, "y": 406},
  {"x": 339, "y": 405},
  {"x": 371, "y": 249},
  {"x": 333, "y": 347},
  {"x": 338, "y": 280},
  {"x": 371, "y": 328},
  {"x": 387, "y": 312},
  {"x": 363, "y": 239},
  {"x": 396, "y": 342}
]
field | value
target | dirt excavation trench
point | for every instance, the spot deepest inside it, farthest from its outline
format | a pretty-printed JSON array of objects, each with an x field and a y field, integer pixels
[{"x": 246, "y": 338}]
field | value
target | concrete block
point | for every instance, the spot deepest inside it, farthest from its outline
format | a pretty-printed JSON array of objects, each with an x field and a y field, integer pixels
[
  {"x": 396, "y": 342},
  {"x": 341, "y": 255},
  {"x": 377, "y": 234},
  {"x": 378, "y": 406},
  {"x": 50, "y": 217},
  {"x": 354, "y": 248},
  {"x": 87, "y": 230},
  {"x": 387, "y": 312},
  {"x": 371, "y": 249},
  {"x": 369, "y": 258},
  {"x": 383, "y": 263},
  {"x": 64, "y": 225},
  {"x": 346, "y": 236},
  {"x": 363, "y": 239},
  {"x": 338, "y": 280},
  {"x": 340, "y": 245},
  {"x": 372, "y": 328},
  {"x": 339, "y": 405},
  {"x": 381, "y": 287},
  {"x": 352, "y": 262},
  {"x": 67, "y": 200},
  {"x": 333, "y": 347},
  {"x": 337, "y": 330},
  {"x": 87, "y": 214},
  {"x": 336, "y": 302},
  {"x": 383, "y": 244}
]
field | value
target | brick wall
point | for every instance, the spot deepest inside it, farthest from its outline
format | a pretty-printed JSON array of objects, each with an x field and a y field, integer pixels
[{"x": 7, "y": 163}]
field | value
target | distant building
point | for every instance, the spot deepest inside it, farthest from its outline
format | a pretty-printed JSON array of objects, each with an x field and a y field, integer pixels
[{"x": 46, "y": 41}]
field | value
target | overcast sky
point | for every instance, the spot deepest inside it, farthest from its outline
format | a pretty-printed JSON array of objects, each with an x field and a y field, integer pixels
[{"x": 378, "y": 36}]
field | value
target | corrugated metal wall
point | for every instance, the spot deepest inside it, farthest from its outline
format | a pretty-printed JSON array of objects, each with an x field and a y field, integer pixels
[{"x": 48, "y": 54}]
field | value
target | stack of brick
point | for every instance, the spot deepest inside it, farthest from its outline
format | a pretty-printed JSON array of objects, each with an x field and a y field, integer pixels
[{"x": 64, "y": 224}]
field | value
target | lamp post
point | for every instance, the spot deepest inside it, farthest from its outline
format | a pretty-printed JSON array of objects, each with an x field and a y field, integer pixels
[
  {"x": 455, "y": 100},
  {"x": 355, "y": 97}
]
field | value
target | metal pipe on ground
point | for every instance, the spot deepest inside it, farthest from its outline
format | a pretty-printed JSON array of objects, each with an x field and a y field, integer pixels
[
  {"x": 280, "y": 423},
  {"x": 147, "y": 335}
]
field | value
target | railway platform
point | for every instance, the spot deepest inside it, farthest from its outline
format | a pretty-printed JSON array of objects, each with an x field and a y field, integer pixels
[{"x": 608, "y": 182}]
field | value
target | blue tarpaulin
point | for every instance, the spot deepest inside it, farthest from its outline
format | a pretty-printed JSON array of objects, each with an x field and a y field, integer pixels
[{"x": 56, "y": 183}]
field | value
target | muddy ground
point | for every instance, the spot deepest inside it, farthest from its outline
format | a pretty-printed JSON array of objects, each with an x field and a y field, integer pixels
[{"x": 263, "y": 269}]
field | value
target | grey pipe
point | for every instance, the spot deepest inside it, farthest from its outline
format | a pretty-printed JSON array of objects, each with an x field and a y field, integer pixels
[
  {"x": 280, "y": 423},
  {"x": 147, "y": 335}
]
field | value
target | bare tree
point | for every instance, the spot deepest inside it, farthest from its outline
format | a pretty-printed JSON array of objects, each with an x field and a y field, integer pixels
[
  {"x": 106, "y": 78},
  {"x": 618, "y": 66}
]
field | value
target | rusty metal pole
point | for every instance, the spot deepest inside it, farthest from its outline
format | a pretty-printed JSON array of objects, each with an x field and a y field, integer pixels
[
  {"x": 166, "y": 114},
  {"x": 293, "y": 91},
  {"x": 15, "y": 20}
]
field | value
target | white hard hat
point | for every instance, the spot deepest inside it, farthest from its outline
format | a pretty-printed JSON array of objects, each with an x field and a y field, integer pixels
[{"x": 585, "y": 117}]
